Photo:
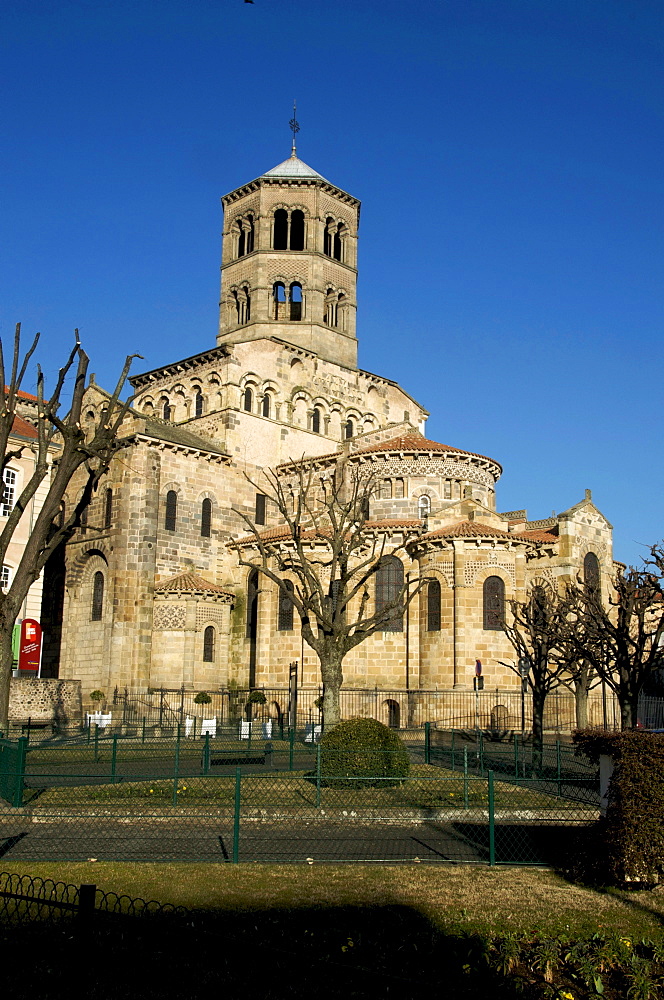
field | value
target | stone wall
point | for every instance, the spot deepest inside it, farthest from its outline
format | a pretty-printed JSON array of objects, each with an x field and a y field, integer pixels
[{"x": 45, "y": 700}]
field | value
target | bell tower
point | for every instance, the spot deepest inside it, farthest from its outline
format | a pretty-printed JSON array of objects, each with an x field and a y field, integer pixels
[{"x": 289, "y": 263}]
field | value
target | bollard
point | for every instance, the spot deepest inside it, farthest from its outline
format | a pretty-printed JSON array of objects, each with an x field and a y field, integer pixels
[
  {"x": 114, "y": 757},
  {"x": 427, "y": 742},
  {"x": 465, "y": 777},
  {"x": 236, "y": 817},
  {"x": 492, "y": 824}
]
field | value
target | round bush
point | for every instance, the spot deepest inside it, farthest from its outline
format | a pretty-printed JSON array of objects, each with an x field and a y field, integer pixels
[{"x": 362, "y": 749}]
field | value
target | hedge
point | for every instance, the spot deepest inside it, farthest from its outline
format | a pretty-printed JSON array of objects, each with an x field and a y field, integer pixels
[{"x": 362, "y": 749}]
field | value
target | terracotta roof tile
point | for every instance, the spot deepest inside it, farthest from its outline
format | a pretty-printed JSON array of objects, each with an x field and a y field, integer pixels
[
  {"x": 468, "y": 529},
  {"x": 23, "y": 429},
  {"x": 190, "y": 582},
  {"x": 537, "y": 536},
  {"x": 394, "y": 522},
  {"x": 415, "y": 442},
  {"x": 23, "y": 395}
]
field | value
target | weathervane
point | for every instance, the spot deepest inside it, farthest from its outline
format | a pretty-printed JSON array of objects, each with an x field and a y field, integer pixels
[{"x": 294, "y": 126}]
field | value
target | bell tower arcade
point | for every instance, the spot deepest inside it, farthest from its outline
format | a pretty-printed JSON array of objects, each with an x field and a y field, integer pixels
[{"x": 289, "y": 263}]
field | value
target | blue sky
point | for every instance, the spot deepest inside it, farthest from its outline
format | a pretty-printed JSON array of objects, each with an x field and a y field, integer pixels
[{"x": 508, "y": 155}]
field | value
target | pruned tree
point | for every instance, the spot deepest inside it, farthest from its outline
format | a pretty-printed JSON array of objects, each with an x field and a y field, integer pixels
[
  {"x": 61, "y": 448},
  {"x": 536, "y": 632},
  {"x": 623, "y": 639},
  {"x": 323, "y": 558}
]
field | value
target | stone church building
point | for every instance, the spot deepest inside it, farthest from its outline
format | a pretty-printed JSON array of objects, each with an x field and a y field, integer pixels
[{"x": 149, "y": 593}]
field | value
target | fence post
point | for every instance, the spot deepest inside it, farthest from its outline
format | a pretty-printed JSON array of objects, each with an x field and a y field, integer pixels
[
  {"x": 96, "y": 742},
  {"x": 114, "y": 757},
  {"x": 558, "y": 762},
  {"x": 481, "y": 754},
  {"x": 236, "y": 817},
  {"x": 21, "y": 754},
  {"x": 427, "y": 742},
  {"x": 492, "y": 824},
  {"x": 176, "y": 772},
  {"x": 29, "y": 724},
  {"x": 453, "y": 754},
  {"x": 143, "y": 732},
  {"x": 206, "y": 754},
  {"x": 465, "y": 777},
  {"x": 291, "y": 738},
  {"x": 318, "y": 776},
  {"x": 87, "y": 894},
  {"x": 516, "y": 755}
]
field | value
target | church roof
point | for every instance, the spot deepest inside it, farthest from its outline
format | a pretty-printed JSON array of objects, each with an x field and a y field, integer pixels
[
  {"x": 538, "y": 536},
  {"x": 415, "y": 442},
  {"x": 470, "y": 529},
  {"x": 21, "y": 428},
  {"x": 293, "y": 167},
  {"x": 190, "y": 582}
]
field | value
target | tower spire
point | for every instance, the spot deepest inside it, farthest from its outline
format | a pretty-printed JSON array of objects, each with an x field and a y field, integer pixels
[{"x": 294, "y": 126}]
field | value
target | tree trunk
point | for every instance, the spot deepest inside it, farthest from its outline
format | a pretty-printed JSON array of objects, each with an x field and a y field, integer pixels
[
  {"x": 6, "y": 661},
  {"x": 539, "y": 697},
  {"x": 581, "y": 704},
  {"x": 629, "y": 706},
  {"x": 332, "y": 677}
]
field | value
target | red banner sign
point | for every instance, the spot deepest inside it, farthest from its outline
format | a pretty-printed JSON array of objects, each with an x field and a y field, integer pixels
[{"x": 29, "y": 652}]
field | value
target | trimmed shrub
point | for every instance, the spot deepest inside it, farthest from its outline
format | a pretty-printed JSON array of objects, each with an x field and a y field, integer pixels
[
  {"x": 256, "y": 698},
  {"x": 202, "y": 698},
  {"x": 362, "y": 749},
  {"x": 628, "y": 846},
  {"x": 97, "y": 695}
]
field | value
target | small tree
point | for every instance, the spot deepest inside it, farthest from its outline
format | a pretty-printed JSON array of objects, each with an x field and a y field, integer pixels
[
  {"x": 323, "y": 559},
  {"x": 536, "y": 633},
  {"x": 624, "y": 639},
  {"x": 62, "y": 436}
]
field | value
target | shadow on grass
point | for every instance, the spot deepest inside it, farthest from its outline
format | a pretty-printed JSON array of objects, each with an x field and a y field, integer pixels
[{"x": 318, "y": 952}]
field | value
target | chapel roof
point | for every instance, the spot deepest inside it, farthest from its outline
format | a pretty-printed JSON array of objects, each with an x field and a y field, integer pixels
[
  {"x": 416, "y": 442},
  {"x": 538, "y": 536},
  {"x": 23, "y": 395},
  {"x": 470, "y": 529},
  {"x": 192, "y": 583},
  {"x": 293, "y": 167},
  {"x": 21, "y": 428}
]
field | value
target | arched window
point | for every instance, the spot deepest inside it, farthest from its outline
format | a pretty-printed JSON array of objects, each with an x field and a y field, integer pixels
[
  {"x": 8, "y": 491},
  {"x": 279, "y": 297},
  {"x": 336, "y": 244},
  {"x": 240, "y": 240},
  {"x": 108, "y": 508},
  {"x": 424, "y": 505},
  {"x": 198, "y": 404},
  {"x": 315, "y": 420},
  {"x": 296, "y": 301},
  {"x": 206, "y": 518},
  {"x": 297, "y": 230},
  {"x": 331, "y": 314},
  {"x": 349, "y": 429},
  {"x": 265, "y": 409},
  {"x": 167, "y": 411},
  {"x": 493, "y": 594},
  {"x": 398, "y": 489},
  {"x": 97, "y": 596},
  {"x": 280, "y": 241},
  {"x": 248, "y": 400},
  {"x": 433, "y": 606},
  {"x": 209, "y": 644},
  {"x": 385, "y": 489},
  {"x": 285, "y": 617},
  {"x": 333, "y": 239},
  {"x": 591, "y": 571},
  {"x": 389, "y": 584},
  {"x": 171, "y": 510},
  {"x": 393, "y": 713}
]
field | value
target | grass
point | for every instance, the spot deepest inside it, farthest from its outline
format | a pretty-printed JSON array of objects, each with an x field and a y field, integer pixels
[
  {"x": 455, "y": 899},
  {"x": 427, "y": 787}
]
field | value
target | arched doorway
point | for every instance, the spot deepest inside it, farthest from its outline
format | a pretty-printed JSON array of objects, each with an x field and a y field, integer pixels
[{"x": 392, "y": 709}]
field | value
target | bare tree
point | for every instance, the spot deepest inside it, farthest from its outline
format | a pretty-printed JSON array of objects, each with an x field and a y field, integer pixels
[
  {"x": 61, "y": 448},
  {"x": 323, "y": 558},
  {"x": 536, "y": 633},
  {"x": 624, "y": 640}
]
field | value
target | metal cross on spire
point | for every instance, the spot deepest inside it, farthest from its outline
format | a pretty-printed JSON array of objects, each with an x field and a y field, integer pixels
[{"x": 294, "y": 126}]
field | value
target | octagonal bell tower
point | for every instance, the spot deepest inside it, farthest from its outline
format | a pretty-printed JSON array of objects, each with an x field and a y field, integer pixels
[{"x": 289, "y": 263}]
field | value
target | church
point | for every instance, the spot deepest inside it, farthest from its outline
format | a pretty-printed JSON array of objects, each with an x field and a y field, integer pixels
[{"x": 150, "y": 593}]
